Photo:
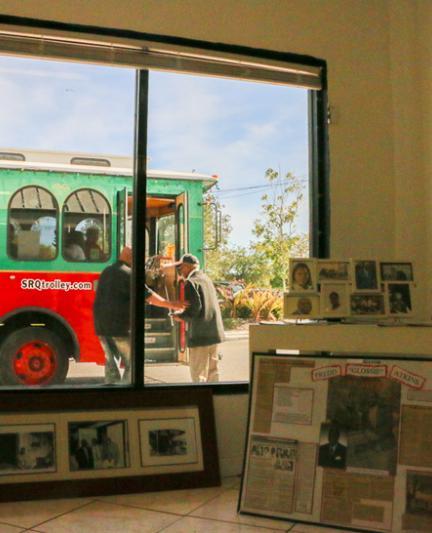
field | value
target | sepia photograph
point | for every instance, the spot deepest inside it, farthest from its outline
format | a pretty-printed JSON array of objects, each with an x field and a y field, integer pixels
[
  {"x": 168, "y": 441},
  {"x": 27, "y": 449},
  {"x": 333, "y": 446},
  {"x": 302, "y": 275},
  {"x": 397, "y": 272},
  {"x": 301, "y": 306},
  {"x": 399, "y": 299},
  {"x": 367, "y": 305},
  {"x": 329, "y": 270},
  {"x": 368, "y": 411},
  {"x": 96, "y": 445},
  {"x": 334, "y": 300}
]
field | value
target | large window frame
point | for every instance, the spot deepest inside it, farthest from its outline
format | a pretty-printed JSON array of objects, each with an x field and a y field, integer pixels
[{"x": 83, "y": 43}]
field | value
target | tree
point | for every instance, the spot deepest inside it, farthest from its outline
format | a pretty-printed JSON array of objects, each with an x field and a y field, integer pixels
[{"x": 277, "y": 237}]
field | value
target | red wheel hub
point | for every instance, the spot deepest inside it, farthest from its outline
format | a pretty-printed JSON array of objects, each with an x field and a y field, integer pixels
[{"x": 35, "y": 363}]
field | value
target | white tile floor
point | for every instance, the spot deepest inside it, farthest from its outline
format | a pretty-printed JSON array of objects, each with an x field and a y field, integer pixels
[{"x": 188, "y": 511}]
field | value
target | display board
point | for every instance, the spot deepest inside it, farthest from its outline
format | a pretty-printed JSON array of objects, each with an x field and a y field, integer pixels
[{"x": 340, "y": 440}]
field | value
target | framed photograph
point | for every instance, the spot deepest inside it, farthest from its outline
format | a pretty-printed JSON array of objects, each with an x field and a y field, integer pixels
[
  {"x": 332, "y": 270},
  {"x": 68, "y": 445},
  {"x": 306, "y": 306},
  {"x": 302, "y": 274},
  {"x": 397, "y": 272},
  {"x": 27, "y": 448},
  {"x": 399, "y": 299},
  {"x": 334, "y": 300},
  {"x": 98, "y": 444},
  {"x": 366, "y": 275},
  {"x": 367, "y": 304},
  {"x": 170, "y": 438}
]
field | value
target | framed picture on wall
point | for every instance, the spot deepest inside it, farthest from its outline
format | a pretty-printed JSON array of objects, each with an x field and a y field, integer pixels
[
  {"x": 399, "y": 300},
  {"x": 301, "y": 306},
  {"x": 302, "y": 275},
  {"x": 366, "y": 275},
  {"x": 334, "y": 300},
  {"x": 368, "y": 304},
  {"x": 329, "y": 270},
  {"x": 395, "y": 272}
]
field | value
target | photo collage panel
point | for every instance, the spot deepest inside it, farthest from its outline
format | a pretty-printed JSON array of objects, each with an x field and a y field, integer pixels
[{"x": 351, "y": 288}]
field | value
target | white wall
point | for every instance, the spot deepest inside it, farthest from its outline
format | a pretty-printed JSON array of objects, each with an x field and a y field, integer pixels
[{"x": 379, "y": 57}]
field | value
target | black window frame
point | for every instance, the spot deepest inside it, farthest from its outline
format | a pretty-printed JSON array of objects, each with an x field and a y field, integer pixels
[{"x": 319, "y": 164}]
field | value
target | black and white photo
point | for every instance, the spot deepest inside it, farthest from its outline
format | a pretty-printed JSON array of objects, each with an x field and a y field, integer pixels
[
  {"x": 296, "y": 306},
  {"x": 168, "y": 441},
  {"x": 397, "y": 272},
  {"x": 399, "y": 299},
  {"x": 334, "y": 300},
  {"x": 367, "y": 304},
  {"x": 99, "y": 444},
  {"x": 365, "y": 275},
  {"x": 27, "y": 449},
  {"x": 332, "y": 270},
  {"x": 333, "y": 450}
]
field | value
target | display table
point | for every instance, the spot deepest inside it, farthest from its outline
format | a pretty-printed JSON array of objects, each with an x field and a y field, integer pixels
[{"x": 361, "y": 338}]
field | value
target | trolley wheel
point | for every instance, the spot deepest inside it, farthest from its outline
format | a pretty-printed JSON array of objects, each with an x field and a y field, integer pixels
[{"x": 33, "y": 356}]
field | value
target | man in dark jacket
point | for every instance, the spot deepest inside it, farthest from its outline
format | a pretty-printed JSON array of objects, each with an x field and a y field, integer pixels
[
  {"x": 203, "y": 318},
  {"x": 112, "y": 314}
]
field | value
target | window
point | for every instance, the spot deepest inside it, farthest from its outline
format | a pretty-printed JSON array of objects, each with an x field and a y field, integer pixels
[
  {"x": 208, "y": 110},
  {"x": 86, "y": 227},
  {"x": 32, "y": 225}
]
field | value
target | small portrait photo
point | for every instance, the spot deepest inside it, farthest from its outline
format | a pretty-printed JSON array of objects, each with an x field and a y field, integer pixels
[
  {"x": 306, "y": 306},
  {"x": 397, "y": 272},
  {"x": 334, "y": 300},
  {"x": 399, "y": 299},
  {"x": 365, "y": 276},
  {"x": 98, "y": 445},
  {"x": 302, "y": 275},
  {"x": 367, "y": 304},
  {"x": 333, "y": 447},
  {"x": 168, "y": 441},
  {"x": 27, "y": 449},
  {"x": 329, "y": 270}
]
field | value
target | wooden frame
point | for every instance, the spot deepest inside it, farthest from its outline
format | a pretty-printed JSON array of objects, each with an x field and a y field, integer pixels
[{"x": 122, "y": 457}]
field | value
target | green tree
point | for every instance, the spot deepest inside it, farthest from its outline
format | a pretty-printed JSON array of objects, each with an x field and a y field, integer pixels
[{"x": 276, "y": 234}]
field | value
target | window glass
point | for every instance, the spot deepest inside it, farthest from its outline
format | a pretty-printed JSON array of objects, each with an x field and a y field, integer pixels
[
  {"x": 240, "y": 175},
  {"x": 166, "y": 236},
  {"x": 66, "y": 314},
  {"x": 86, "y": 227},
  {"x": 32, "y": 227}
]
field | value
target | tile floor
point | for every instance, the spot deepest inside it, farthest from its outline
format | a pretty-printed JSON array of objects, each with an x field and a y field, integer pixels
[{"x": 189, "y": 511}]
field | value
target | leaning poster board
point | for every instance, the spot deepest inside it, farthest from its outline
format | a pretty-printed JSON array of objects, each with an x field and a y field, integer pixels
[{"x": 340, "y": 440}]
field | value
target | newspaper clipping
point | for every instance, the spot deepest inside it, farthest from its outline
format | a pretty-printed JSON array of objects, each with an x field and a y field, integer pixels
[
  {"x": 271, "y": 474},
  {"x": 416, "y": 436},
  {"x": 292, "y": 405},
  {"x": 418, "y": 515}
]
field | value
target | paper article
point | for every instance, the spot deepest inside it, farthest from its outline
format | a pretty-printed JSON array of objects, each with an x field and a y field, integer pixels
[
  {"x": 269, "y": 372},
  {"x": 271, "y": 474},
  {"x": 305, "y": 477},
  {"x": 292, "y": 405},
  {"x": 416, "y": 436},
  {"x": 357, "y": 499},
  {"x": 418, "y": 515}
]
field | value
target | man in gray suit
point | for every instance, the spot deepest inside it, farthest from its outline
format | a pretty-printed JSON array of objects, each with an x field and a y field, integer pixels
[{"x": 203, "y": 318}]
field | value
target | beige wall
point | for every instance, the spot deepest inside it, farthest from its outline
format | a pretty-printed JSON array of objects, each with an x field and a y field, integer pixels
[{"x": 379, "y": 56}]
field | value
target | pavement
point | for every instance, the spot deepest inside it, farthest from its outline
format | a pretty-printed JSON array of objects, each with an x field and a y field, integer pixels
[{"x": 233, "y": 365}]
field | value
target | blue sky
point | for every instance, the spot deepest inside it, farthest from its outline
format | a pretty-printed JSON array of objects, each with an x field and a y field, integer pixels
[{"x": 231, "y": 128}]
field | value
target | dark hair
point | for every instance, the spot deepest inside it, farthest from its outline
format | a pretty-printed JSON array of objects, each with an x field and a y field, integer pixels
[{"x": 297, "y": 266}]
